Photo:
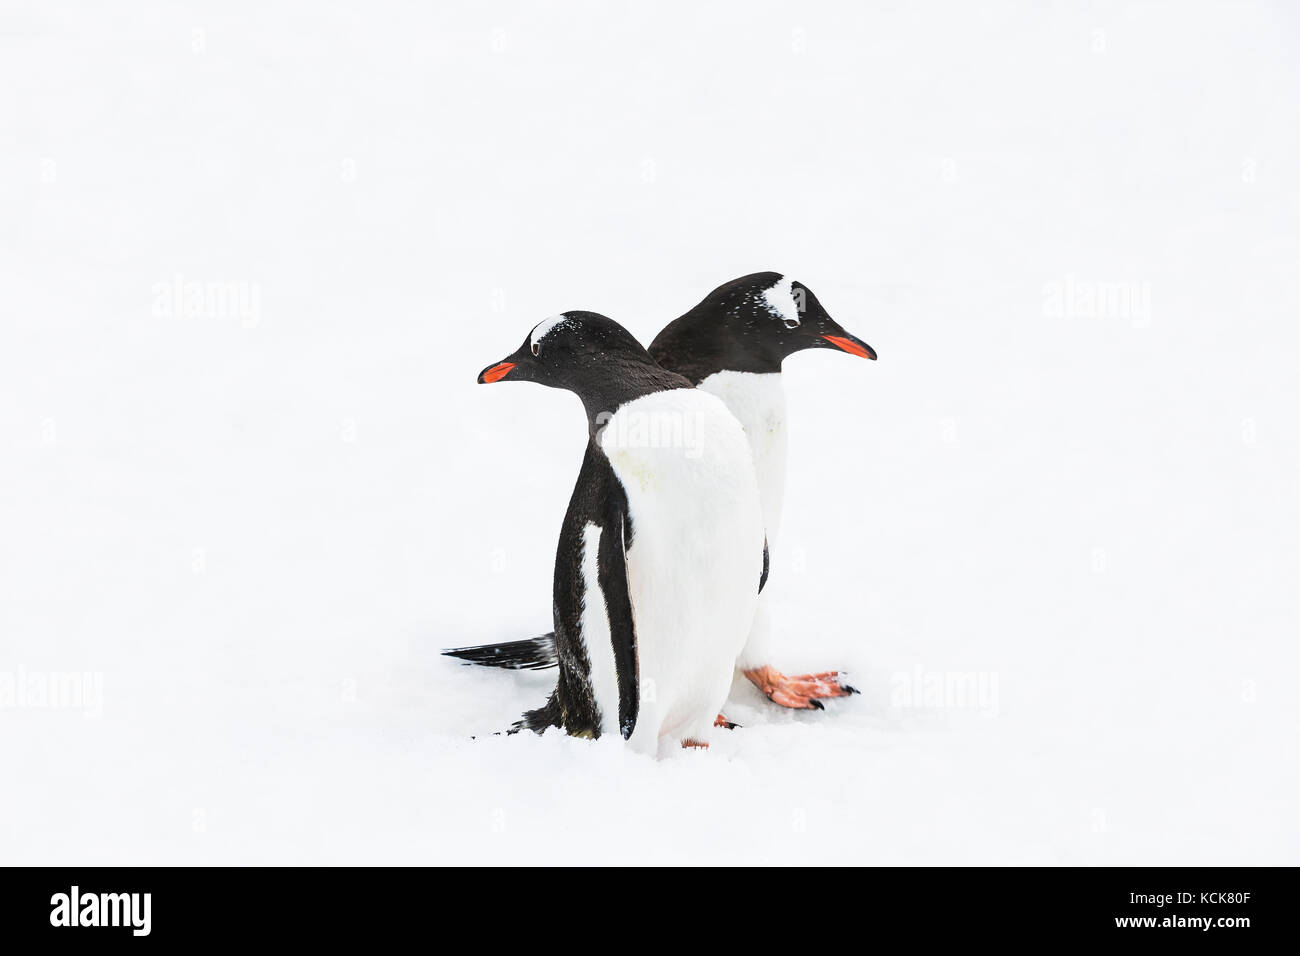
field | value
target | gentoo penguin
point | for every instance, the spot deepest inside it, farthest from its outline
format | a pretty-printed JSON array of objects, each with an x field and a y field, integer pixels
[
  {"x": 732, "y": 344},
  {"x": 662, "y": 553}
]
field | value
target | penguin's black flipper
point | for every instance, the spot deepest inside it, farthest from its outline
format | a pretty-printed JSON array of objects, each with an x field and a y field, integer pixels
[
  {"x": 534, "y": 654},
  {"x": 612, "y": 563},
  {"x": 597, "y": 686}
]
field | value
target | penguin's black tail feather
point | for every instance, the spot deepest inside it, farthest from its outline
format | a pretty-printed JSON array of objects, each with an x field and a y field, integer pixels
[
  {"x": 534, "y": 654},
  {"x": 548, "y": 715}
]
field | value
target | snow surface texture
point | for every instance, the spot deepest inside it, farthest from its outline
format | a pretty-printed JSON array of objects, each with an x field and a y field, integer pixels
[{"x": 255, "y": 510}]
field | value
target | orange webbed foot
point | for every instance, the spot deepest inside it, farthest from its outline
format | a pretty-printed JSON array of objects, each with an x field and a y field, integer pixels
[{"x": 800, "y": 692}]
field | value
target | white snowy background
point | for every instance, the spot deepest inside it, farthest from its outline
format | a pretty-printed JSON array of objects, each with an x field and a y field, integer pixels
[{"x": 256, "y": 529}]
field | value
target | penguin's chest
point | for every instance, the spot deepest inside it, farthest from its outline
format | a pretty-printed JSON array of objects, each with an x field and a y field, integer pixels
[
  {"x": 696, "y": 551},
  {"x": 757, "y": 400}
]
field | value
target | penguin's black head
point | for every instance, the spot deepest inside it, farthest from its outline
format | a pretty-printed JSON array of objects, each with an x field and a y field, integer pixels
[
  {"x": 751, "y": 324},
  {"x": 588, "y": 354}
]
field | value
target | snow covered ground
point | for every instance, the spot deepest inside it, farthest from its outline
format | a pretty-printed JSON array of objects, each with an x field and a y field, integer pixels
[{"x": 251, "y": 260}]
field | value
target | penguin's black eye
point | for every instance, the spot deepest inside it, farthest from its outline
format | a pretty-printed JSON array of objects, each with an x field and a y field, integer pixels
[
  {"x": 536, "y": 348},
  {"x": 792, "y": 323}
]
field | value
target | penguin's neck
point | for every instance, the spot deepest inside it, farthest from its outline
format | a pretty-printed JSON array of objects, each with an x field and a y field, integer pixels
[
  {"x": 698, "y": 353},
  {"x": 622, "y": 381},
  {"x": 757, "y": 399}
]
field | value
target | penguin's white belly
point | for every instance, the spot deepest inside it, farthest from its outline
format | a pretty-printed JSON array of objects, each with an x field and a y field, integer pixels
[
  {"x": 695, "y": 557},
  {"x": 757, "y": 399}
]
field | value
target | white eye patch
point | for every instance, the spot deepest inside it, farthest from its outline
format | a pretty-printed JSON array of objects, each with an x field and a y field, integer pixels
[
  {"x": 783, "y": 302},
  {"x": 542, "y": 329}
]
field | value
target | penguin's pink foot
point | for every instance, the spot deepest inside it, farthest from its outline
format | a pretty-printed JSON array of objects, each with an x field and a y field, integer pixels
[
  {"x": 694, "y": 744},
  {"x": 801, "y": 692},
  {"x": 724, "y": 723}
]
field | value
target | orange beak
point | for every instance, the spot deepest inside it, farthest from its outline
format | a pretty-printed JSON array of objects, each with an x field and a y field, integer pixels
[
  {"x": 848, "y": 345},
  {"x": 496, "y": 372}
]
